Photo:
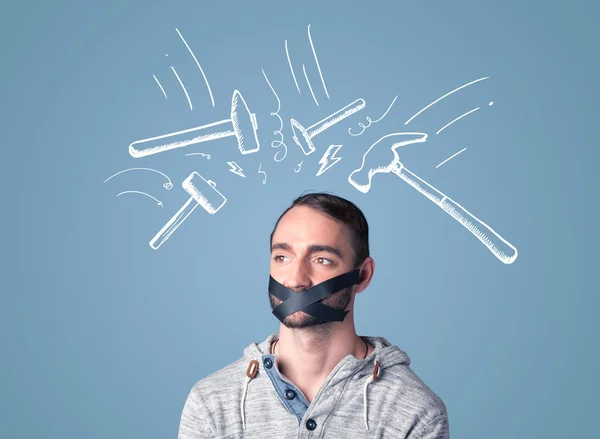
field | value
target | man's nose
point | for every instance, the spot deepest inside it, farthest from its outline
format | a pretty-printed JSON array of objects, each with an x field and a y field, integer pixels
[{"x": 297, "y": 276}]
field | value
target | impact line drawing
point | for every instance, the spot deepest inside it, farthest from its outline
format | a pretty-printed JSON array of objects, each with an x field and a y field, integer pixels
[
  {"x": 299, "y": 167},
  {"x": 201, "y": 154},
  {"x": 236, "y": 169},
  {"x": 445, "y": 96},
  {"x": 309, "y": 86},
  {"x": 242, "y": 126},
  {"x": 262, "y": 172},
  {"x": 457, "y": 119},
  {"x": 212, "y": 99},
  {"x": 277, "y": 143},
  {"x": 329, "y": 159},
  {"x": 161, "y": 87},
  {"x": 183, "y": 87},
  {"x": 291, "y": 67},
  {"x": 168, "y": 185},
  {"x": 202, "y": 193},
  {"x": 364, "y": 127},
  {"x": 379, "y": 159},
  {"x": 451, "y": 157},
  {"x": 306, "y": 134},
  {"x": 158, "y": 202},
  {"x": 312, "y": 46}
]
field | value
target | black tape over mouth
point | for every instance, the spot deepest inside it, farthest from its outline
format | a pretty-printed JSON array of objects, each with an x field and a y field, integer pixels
[{"x": 308, "y": 300}]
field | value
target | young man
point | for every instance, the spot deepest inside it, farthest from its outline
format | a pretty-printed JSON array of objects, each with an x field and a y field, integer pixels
[{"x": 316, "y": 377}]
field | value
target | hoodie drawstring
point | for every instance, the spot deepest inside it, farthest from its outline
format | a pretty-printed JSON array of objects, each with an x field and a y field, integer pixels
[
  {"x": 369, "y": 381},
  {"x": 250, "y": 373}
]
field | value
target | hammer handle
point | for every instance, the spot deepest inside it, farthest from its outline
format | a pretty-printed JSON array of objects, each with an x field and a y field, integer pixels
[
  {"x": 173, "y": 223},
  {"x": 501, "y": 248}
]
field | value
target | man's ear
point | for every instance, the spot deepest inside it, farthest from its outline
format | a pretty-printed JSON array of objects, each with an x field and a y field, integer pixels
[{"x": 367, "y": 268}]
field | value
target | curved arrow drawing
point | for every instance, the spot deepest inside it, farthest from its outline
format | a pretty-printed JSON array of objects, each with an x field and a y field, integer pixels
[
  {"x": 160, "y": 203},
  {"x": 168, "y": 185}
]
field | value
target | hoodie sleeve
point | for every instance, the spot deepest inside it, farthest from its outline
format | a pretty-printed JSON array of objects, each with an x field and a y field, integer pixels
[
  {"x": 437, "y": 428},
  {"x": 195, "y": 419}
]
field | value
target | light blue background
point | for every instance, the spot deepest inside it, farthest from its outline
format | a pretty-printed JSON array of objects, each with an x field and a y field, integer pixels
[{"x": 103, "y": 337}]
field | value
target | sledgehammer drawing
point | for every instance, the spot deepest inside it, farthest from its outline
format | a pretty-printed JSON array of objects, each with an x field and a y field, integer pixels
[
  {"x": 242, "y": 126},
  {"x": 379, "y": 159}
]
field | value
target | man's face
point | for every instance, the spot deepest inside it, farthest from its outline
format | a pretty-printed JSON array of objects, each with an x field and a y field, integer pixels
[{"x": 309, "y": 248}]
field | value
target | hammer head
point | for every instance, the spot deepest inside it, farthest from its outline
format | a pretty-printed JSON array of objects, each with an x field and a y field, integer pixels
[
  {"x": 245, "y": 126},
  {"x": 378, "y": 158},
  {"x": 204, "y": 192},
  {"x": 302, "y": 138}
]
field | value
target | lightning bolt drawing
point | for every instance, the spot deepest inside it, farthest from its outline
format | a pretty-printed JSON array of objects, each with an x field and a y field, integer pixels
[
  {"x": 329, "y": 159},
  {"x": 235, "y": 168}
]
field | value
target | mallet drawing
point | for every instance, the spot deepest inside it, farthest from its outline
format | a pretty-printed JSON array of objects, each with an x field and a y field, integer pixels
[
  {"x": 303, "y": 136},
  {"x": 242, "y": 124},
  {"x": 378, "y": 159}
]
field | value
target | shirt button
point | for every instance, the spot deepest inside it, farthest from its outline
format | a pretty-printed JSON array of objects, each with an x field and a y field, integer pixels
[
  {"x": 268, "y": 363},
  {"x": 311, "y": 424},
  {"x": 290, "y": 394}
]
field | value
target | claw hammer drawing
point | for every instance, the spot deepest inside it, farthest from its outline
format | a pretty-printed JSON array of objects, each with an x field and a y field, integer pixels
[{"x": 377, "y": 159}]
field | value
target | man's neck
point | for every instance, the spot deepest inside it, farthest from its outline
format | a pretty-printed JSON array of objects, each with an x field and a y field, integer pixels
[{"x": 307, "y": 356}]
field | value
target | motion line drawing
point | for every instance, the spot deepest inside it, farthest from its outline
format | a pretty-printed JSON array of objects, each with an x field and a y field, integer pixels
[
  {"x": 161, "y": 87},
  {"x": 304, "y": 141},
  {"x": 201, "y": 154},
  {"x": 212, "y": 99},
  {"x": 443, "y": 97},
  {"x": 242, "y": 126},
  {"x": 183, "y": 87},
  {"x": 457, "y": 119},
  {"x": 309, "y": 86},
  {"x": 168, "y": 185},
  {"x": 364, "y": 127},
  {"x": 291, "y": 67},
  {"x": 450, "y": 158},
  {"x": 236, "y": 169},
  {"x": 277, "y": 143},
  {"x": 329, "y": 159},
  {"x": 312, "y": 46},
  {"x": 160, "y": 203},
  {"x": 378, "y": 159},
  {"x": 202, "y": 193}
]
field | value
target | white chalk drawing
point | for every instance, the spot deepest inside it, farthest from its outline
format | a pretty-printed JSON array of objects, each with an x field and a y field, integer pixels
[
  {"x": 201, "y": 154},
  {"x": 299, "y": 167},
  {"x": 202, "y": 193},
  {"x": 329, "y": 159},
  {"x": 260, "y": 171},
  {"x": 304, "y": 141},
  {"x": 242, "y": 126},
  {"x": 457, "y": 119},
  {"x": 161, "y": 87},
  {"x": 364, "y": 127},
  {"x": 158, "y": 202},
  {"x": 199, "y": 67},
  {"x": 378, "y": 158},
  {"x": 183, "y": 87},
  {"x": 317, "y": 62},
  {"x": 236, "y": 169},
  {"x": 450, "y": 158},
  {"x": 309, "y": 86},
  {"x": 491, "y": 103},
  {"x": 168, "y": 185},
  {"x": 445, "y": 96},
  {"x": 291, "y": 67},
  {"x": 277, "y": 143}
]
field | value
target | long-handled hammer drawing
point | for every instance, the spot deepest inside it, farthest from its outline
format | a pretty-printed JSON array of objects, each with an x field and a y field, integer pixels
[
  {"x": 242, "y": 124},
  {"x": 377, "y": 159}
]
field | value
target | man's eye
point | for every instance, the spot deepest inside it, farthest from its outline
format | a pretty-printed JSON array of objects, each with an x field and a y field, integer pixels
[
  {"x": 323, "y": 261},
  {"x": 279, "y": 258}
]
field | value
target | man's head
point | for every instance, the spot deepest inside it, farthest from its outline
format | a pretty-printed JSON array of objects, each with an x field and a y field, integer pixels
[{"x": 320, "y": 236}]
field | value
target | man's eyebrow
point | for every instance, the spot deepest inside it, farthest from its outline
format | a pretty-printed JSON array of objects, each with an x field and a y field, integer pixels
[{"x": 312, "y": 249}]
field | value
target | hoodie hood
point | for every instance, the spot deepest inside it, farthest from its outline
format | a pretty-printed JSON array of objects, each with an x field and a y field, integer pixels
[{"x": 369, "y": 369}]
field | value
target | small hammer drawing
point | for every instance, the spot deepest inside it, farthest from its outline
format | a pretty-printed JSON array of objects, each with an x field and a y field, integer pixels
[{"x": 377, "y": 159}]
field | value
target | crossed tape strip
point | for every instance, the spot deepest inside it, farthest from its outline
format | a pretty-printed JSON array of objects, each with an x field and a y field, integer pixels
[{"x": 308, "y": 300}]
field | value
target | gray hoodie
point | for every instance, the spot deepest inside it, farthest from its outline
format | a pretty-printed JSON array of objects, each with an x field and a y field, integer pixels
[{"x": 378, "y": 397}]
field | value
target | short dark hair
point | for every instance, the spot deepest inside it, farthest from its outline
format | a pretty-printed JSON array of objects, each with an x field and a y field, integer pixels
[{"x": 344, "y": 212}]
